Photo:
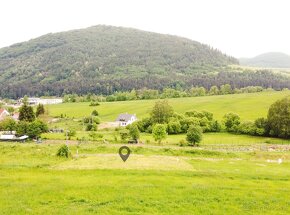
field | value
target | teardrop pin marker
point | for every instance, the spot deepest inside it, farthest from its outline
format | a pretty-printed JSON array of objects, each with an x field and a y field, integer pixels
[{"x": 122, "y": 155}]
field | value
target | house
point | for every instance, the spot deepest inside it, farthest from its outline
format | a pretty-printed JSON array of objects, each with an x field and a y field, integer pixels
[
  {"x": 125, "y": 119},
  {"x": 3, "y": 114},
  {"x": 12, "y": 138}
]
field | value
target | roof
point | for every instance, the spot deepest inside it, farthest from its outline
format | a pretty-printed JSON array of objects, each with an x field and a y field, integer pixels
[
  {"x": 125, "y": 117},
  {"x": 2, "y": 110},
  {"x": 7, "y": 137}
]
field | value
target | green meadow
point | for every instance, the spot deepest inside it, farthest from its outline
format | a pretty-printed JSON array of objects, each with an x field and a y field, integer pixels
[
  {"x": 249, "y": 106},
  {"x": 226, "y": 174},
  {"x": 154, "y": 180}
]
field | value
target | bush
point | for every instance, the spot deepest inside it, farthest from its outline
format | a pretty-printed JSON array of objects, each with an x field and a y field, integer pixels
[
  {"x": 39, "y": 110},
  {"x": 262, "y": 127},
  {"x": 96, "y": 120},
  {"x": 71, "y": 133},
  {"x": 95, "y": 113},
  {"x": 174, "y": 126},
  {"x": 215, "y": 126},
  {"x": 187, "y": 122},
  {"x": 182, "y": 143},
  {"x": 134, "y": 131},
  {"x": 63, "y": 151},
  {"x": 93, "y": 103},
  {"x": 144, "y": 124},
  {"x": 124, "y": 134},
  {"x": 159, "y": 132},
  {"x": 247, "y": 127},
  {"x": 231, "y": 121},
  {"x": 8, "y": 124}
]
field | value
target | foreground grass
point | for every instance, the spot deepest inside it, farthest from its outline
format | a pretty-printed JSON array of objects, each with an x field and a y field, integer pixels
[
  {"x": 34, "y": 181},
  {"x": 248, "y": 106}
]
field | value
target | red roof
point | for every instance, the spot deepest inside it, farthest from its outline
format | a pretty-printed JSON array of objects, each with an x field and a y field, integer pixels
[{"x": 1, "y": 110}]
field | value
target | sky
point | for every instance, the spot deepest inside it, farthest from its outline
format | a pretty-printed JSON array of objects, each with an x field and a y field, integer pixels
[{"x": 240, "y": 28}]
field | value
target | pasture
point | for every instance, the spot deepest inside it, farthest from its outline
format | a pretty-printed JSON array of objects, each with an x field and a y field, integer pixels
[
  {"x": 249, "y": 106},
  {"x": 155, "y": 180}
]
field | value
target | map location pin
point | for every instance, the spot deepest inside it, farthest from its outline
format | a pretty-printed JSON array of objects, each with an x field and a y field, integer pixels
[{"x": 125, "y": 155}]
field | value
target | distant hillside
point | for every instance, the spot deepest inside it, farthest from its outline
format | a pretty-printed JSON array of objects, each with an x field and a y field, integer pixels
[
  {"x": 268, "y": 60},
  {"x": 105, "y": 59}
]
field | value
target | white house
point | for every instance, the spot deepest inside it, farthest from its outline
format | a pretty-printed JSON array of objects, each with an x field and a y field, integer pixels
[
  {"x": 125, "y": 119},
  {"x": 3, "y": 113}
]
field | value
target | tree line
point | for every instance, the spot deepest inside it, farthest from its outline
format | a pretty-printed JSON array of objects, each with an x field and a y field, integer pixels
[{"x": 144, "y": 94}]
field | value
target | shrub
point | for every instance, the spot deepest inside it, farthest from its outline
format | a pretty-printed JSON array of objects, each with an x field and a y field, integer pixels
[
  {"x": 71, "y": 133},
  {"x": 134, "y": 131},
  {"x": 63, "y": 151},
  {"x": 95, "y": 113},
  {"x": 231, "y": 121},
  {"x": 215, "y": 126},
  {"x": 144, "y": 124},
  {"x": 182, "y": 143},
  {"x": 159, "y": 132},
  {"x": 94, "y": 103},
  {"x": 124, "y": 134},
  {"x": 39, "y": 110},
  {"x": 174, "y": 126},
  {"x": 96, "y": 120},
  {"x": 94, "y": 135},
  {"x": 262, "y": 127},
  {"x": 247, "y": 127}
]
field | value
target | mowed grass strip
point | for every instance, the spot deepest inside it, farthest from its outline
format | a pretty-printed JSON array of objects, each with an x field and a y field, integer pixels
[
  {"x": 139, "y": 162},
  {"x": 249, "y": 106}
]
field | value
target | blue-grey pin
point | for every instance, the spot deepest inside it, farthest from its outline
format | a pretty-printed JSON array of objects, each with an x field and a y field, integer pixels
[{"x": 125, "y": 155}]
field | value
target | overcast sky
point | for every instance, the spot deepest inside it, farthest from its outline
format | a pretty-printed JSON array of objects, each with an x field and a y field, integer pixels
[{"x": 242, "y": 28}]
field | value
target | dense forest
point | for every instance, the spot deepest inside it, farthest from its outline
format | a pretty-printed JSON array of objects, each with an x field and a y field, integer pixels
[{"x": 106, "y": 59}]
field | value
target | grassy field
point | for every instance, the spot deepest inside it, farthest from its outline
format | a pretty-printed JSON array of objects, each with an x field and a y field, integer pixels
[
  {"x": 154, "y": 180},
  {"x": 248, "y": 106}
]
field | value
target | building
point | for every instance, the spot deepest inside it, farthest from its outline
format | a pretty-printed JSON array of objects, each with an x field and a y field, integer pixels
[
  {"x": 12, "y": 138},
  {"x": 3, "y": 113},
  {"x": 36, "y": 101},
  {"x": 125, "y": 119}
]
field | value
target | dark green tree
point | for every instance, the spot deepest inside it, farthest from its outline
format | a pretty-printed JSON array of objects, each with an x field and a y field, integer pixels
[
  {"x": 279, "y": 118},
  {"x": 161, "y": 112},
  {"x": 26, "y": 112},
  {"x": 194, "y": 135},
  {"x": 39, "y": 110},
  {"x": 134, "y": 131}
]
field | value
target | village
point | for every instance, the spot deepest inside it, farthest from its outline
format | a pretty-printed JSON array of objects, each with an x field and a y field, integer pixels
[{"x": 10, "y": 111}]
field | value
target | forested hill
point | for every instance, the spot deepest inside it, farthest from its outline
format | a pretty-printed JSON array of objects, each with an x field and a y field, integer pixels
[
  {"x": 105, "y": 59},
  {"x": 268, "y": 60}
]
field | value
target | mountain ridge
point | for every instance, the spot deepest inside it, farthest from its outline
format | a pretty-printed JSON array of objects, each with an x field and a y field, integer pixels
[
  {"x": 105, "y": 59},
  {"x": 268, "y": 60}
]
